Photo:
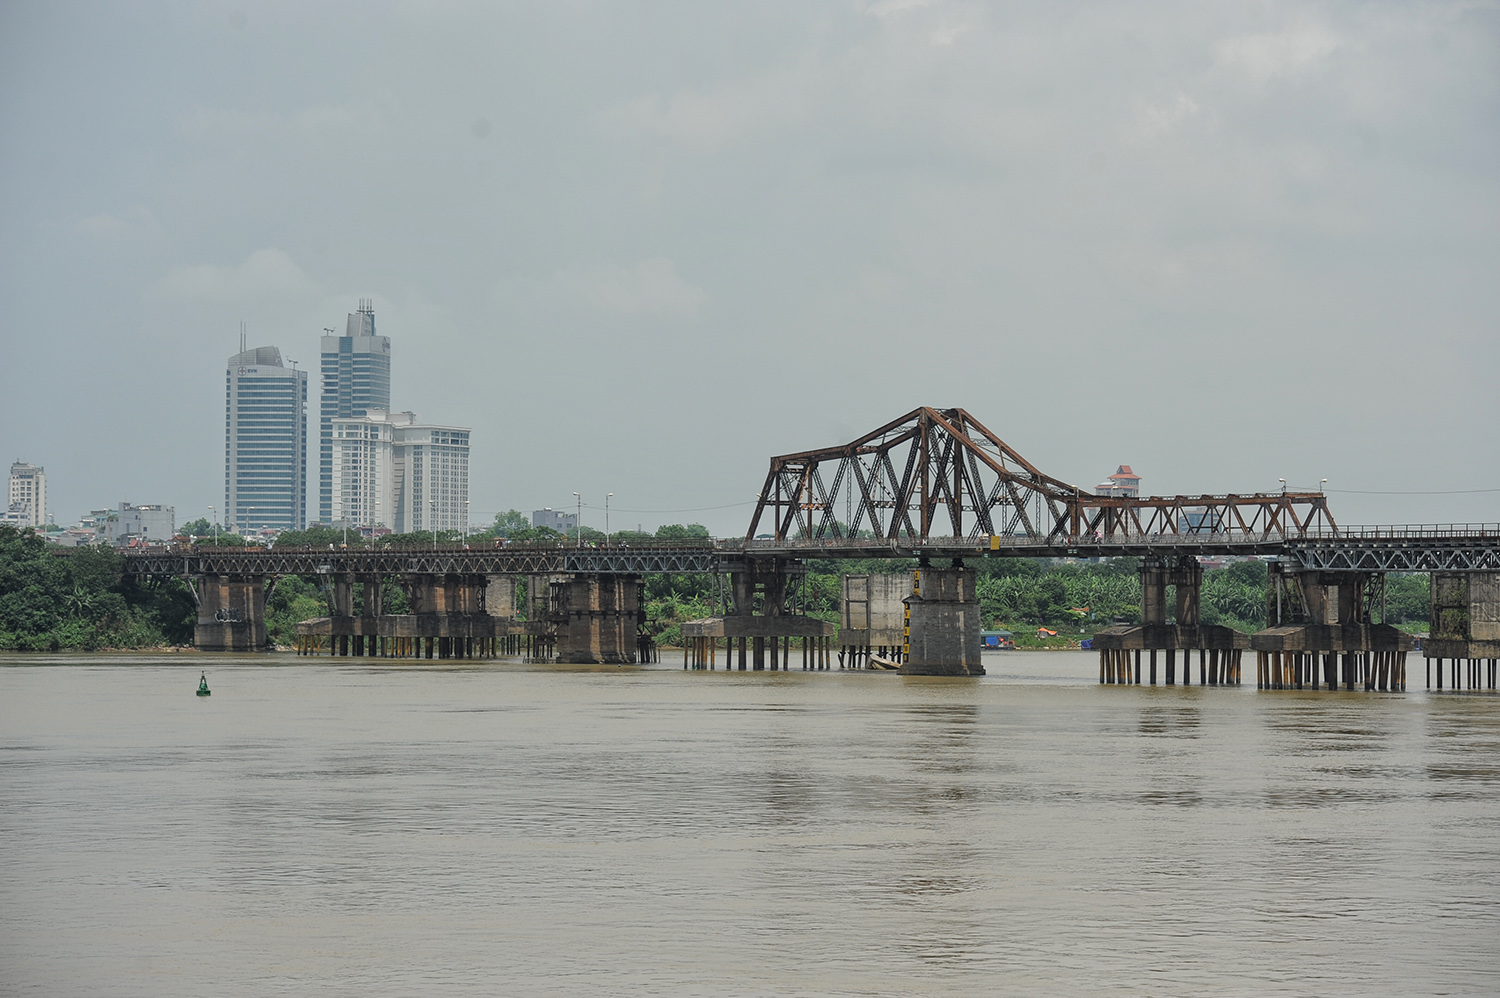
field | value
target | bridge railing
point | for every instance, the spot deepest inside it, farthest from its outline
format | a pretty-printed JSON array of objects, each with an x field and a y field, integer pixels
[{"x": 1416, "y": 531}]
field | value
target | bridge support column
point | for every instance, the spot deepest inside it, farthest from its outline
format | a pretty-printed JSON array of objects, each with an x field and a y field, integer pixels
[
  {"x": 1465, "y": 625},
  {"x": 944, "y": 625},
  {"x": 597, "y": 617},
  {"x": 231, "y": 613}
]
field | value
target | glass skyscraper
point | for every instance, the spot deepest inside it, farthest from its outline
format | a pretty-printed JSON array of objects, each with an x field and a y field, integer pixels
[
  {"x": 356, "y": 380},
  {"x": 265, "y": 442}
]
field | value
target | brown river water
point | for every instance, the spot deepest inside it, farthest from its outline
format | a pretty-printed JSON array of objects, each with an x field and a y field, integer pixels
[{"x": 502, "y": 829}]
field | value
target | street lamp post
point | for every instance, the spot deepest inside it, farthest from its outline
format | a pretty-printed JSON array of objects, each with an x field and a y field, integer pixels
[
  {"x": 578, "y": 524},
  {"x": 432, "y": 522},
  {"x": 214, "y": 517},
  {"x": 466, "y": 523},
  {"x": 607, "y": 498}
]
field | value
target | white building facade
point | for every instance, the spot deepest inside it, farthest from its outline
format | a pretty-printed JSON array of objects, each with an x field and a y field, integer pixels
[
  {"x": 27, "y": 503},
  {"x": 364, "y": 472},
  {"x": 132, "y": 524},
  {"x": 391, "y": 471},
  {"x": 433, "y": 475}
]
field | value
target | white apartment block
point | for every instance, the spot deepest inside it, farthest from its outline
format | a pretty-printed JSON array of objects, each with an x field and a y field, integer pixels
[
  {"x": 433, "y": 478},
  {"x": 28, "y": 496},
  {"x": 391, "y": 471},
  {"x": 364, "y": 472}
]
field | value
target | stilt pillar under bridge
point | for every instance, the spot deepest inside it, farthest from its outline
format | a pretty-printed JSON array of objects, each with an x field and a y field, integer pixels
[
  {"x": 231, "y": 613},
  {"x": 1130, "y": 654},
  {"x": 1322, "y": 633},
  {"x": 760, "y": 627}
]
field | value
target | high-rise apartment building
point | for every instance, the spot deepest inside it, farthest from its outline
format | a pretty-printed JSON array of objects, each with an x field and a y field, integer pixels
[
  {"x": 432, "y": 477},
  {"x": 391, "y": 471},
  {"x": 356, "y": 379},
  {"x": 364, "y": 470},
  {"x": 265, "y": 442},
  {"x": 28, "y": 496}
]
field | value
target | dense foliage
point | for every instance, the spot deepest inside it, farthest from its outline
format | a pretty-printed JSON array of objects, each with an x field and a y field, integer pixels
[{"x": 52, "y": 600}]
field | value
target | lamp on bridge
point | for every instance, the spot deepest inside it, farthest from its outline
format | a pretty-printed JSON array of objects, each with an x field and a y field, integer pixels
[
  {"x": 578, "y": 524},
  {"x": 1283, "y": 485},
  {"x": 607, "y": 498}
]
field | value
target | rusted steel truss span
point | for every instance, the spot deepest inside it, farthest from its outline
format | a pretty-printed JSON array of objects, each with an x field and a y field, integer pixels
[{"x": 940, "y": 473}]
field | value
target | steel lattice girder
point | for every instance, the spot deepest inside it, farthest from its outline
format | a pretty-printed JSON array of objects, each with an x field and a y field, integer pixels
[
  {"x": 1479, "y": 554},
  {"x": 493, "y": 561},
  {"x": 1449, "y": 553}
]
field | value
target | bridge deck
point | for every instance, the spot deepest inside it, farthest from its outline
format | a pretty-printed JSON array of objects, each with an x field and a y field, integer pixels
[{"x": 1438, "y": 548}]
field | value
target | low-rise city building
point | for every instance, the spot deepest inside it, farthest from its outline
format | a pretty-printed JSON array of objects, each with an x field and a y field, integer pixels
[
  {"x": 131, "y": 524},
  {"x": 549, "y": 517}
]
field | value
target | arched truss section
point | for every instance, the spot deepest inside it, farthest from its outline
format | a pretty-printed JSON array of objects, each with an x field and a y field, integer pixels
[{"x": 941, "y": 473}]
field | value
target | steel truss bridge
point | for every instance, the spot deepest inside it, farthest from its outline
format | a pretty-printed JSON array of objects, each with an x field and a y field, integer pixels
[
  {"x": 934, "y": 484},
  {"x": 1455, "y": 548}
]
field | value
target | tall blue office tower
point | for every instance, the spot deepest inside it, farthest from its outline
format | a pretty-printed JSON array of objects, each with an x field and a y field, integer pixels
[
  {"x": 265, "y": 442},
  {"x": 356, "y": 379}
]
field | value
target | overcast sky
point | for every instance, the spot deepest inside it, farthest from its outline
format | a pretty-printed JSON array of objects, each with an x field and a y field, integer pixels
[{"x": 640, "y": 248}]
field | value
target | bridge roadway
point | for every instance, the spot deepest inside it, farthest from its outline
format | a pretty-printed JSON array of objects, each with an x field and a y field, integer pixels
[{"x": 1436, "y": 548}]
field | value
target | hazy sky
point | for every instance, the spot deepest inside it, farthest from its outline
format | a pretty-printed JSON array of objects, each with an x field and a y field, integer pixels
[{"x": 639, "y": 248}]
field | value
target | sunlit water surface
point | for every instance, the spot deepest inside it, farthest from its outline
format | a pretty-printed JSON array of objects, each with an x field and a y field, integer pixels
[{"x": 359, "y": 829}]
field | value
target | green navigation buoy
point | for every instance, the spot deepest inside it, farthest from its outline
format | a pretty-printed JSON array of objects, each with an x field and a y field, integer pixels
[{"x": 203, "y": 690}]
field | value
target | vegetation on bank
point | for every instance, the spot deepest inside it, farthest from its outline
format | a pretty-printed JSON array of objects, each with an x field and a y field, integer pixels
[{"x": 53, "y": 602}]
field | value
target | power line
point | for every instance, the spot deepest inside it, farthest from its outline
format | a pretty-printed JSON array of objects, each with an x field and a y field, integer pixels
[
  {"x": 1441, "y": 492},
  {"x": 627, "y": 509}
]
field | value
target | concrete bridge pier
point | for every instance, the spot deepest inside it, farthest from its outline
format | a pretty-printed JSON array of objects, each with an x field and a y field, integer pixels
[
  {"x": 597, "y": 618},
  {"x": 944, "y": 623},
  {"x": 1465, "y": 630},
  {"x": 231, "y": 613},
  {"x": 872, "y": 619}
]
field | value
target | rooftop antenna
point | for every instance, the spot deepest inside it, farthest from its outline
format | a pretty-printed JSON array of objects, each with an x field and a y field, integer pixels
[{"x": 242, "y": 336}]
